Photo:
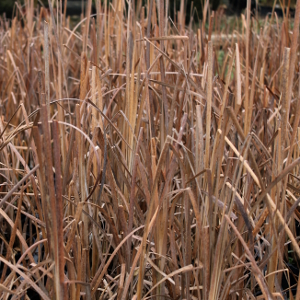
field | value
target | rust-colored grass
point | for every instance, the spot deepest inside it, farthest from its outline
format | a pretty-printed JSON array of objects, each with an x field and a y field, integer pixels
[{"x": 145, "y": 158}]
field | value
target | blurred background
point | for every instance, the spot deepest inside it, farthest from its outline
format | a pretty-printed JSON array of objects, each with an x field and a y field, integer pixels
[{"x": 76, "y": 7}]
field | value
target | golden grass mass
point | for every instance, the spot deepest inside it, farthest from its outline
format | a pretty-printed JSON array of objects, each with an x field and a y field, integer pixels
[{"x": 142, "y": 157}]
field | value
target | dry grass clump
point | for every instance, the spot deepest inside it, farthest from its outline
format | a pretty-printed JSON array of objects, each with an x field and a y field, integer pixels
[{"x": 131, "y": 170}]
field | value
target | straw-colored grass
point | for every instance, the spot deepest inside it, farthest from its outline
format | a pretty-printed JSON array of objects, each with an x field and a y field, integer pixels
[{"x": 136, "y": 164}]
